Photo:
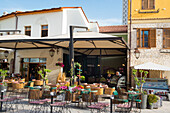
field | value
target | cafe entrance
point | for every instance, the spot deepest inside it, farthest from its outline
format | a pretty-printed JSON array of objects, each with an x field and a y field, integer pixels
[{"x": 30, "y": 67}]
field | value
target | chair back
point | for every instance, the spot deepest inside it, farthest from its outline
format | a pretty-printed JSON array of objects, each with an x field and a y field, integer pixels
[
  {"x": 35, "y": 94},
  {"x": 86, "y": 97},
  {"x": 94, "y": 98}
]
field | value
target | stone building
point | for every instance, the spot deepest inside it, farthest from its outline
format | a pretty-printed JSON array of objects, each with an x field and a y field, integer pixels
[{"x": 151, "y": 34}]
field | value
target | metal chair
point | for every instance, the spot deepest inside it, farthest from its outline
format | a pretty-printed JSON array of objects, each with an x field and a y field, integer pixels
[{"x": 61, "y": 106}]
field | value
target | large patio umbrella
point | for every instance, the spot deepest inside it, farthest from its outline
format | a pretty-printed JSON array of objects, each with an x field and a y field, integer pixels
[
  {"x": 82, "y": 40},
  {"x": 152, "y": 66},
  {"x": 86, "y": 43}
]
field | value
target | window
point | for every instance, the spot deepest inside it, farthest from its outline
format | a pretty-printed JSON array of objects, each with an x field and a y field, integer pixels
[
  {"x": 146, "y": 38},
  {"x": 166, "y": 38},
  {"x": 44, "y": 30},
  {"x": 28, "y": 30},
  {"x": 148, "y": 4}
]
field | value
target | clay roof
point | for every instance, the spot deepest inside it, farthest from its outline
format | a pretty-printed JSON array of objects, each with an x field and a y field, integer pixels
[
  {"x": 12, "y": 14},
  {"x": 113, "y": 29}
]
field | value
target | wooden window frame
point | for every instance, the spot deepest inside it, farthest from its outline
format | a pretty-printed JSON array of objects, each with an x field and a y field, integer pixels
[
  {"x": 164, "y": 39},
  {"x": 44, "y": 29},
  {"x": 28, "y": 30},
  {"x": 148, "y": 7},
  {"x": 150, "y": 45}
]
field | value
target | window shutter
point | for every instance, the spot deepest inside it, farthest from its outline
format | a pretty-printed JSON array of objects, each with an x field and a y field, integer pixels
[
  {"x": 166, "y": 38},
  {"x": 152, "y": 4},
  {"x": 152, "y": 38},
  {"x": 138, "y": 37},
  {"x": 144, "y": 4}
]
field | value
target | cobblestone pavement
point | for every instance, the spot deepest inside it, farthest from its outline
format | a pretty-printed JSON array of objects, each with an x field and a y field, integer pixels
[{"x": 164, "y": 109}]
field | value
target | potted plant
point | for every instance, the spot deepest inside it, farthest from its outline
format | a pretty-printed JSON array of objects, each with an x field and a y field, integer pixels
[
  {"x": 62, "y": 89},
  {"x": 82, "y": 78},
  {"x": 77, "y": 89},
  {"x": 152, "y": 99},
  {"x": 103, "y": 80},
  {"x": 44, "y": 75},
  {"x": 139, "y": 82},
  {"x": 3, "y": 84}
]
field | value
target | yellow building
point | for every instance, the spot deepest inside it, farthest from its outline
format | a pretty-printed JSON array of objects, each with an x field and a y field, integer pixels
[
  {"x": 150, "y": 34},
  {"x": 150, "y": 10}
]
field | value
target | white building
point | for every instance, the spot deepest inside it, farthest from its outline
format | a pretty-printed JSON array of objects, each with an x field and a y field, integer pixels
[{"x": 42, "y": 23}]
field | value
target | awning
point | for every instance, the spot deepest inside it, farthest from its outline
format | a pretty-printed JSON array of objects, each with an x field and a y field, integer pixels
[
  {"x": 152, "y": 66},
  {"x": 90, "y": 43}
]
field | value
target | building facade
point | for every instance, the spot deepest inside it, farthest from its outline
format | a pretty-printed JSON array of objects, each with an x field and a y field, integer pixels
[
  {"x": 150, "y": 30},
  {"x": 42, "y": 23}
]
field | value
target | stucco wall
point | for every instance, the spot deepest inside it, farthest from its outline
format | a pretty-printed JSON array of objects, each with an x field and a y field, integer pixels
[
  {"x": 44, "y": 53},
  {"x": 7, "y": 24}
]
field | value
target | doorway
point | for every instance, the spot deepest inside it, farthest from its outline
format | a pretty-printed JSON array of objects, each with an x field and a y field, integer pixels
[
  {"x": 33, "y": 71},
  {"x": 32, "y": 65}
]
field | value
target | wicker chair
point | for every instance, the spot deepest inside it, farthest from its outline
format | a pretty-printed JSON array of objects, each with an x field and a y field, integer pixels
[
  {"x": 38, "y": 83},
  {"x": 35, "y": 102},
  {"x": 109, "y": 91}
]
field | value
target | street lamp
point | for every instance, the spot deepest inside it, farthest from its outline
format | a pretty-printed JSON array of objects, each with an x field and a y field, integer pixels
[
  {"x": 137, "y": 53},
  {"x": 51, "y": 52},
  {"x": 6, "y": 53}
]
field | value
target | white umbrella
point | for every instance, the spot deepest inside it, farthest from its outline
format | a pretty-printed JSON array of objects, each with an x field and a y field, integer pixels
[{"x": 152, "y": 66}]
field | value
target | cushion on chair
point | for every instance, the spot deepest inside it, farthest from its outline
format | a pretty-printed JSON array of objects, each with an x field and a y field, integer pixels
[
  {"x": 95, "y": 107},
  {"x": 123, "y": 106},
  {"x": 36, "y": 102},
  {"x": 45, "y": 100},
  {"x": 103, "y": 104},
  {"x": 115, "y": 93},
  {"x": 58, "y": 104}
]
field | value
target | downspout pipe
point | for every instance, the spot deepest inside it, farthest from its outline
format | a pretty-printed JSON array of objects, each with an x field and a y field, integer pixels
[
  {"x": 16, "y": 21},
  {"x": 130, "y": 71}
]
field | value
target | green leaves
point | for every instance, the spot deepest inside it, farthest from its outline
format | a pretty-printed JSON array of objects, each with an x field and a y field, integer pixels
[
  {"x": 42, "y": 73},
  {"x": 3, "y": 74},
  {"x": 141, "y": 71},
  {"x": 139, "y": 81}
]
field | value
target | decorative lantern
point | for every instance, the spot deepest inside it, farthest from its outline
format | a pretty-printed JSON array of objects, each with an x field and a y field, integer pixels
[
  {"x": 51, "y": 52},
  {"x": 137, "y": 53},
  {"x": 6, "y": 53}
]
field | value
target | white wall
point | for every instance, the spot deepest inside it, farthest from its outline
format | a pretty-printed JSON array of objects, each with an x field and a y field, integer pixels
[
  {"x": 8, "y": 24},
  {"x": 53, "y": 20},
  {"x": 58, "y": 22}
]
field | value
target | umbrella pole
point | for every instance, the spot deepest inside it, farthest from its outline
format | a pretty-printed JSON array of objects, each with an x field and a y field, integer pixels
[
  {"x": 100, "y": 62},
  {"x": 71, "y": 51}
]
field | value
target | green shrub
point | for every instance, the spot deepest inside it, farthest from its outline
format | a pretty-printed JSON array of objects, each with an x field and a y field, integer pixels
[{"x": 152, "y": 99}]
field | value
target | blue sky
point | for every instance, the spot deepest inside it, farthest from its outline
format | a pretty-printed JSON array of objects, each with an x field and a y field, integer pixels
[{"x": 106, "y": 12}]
